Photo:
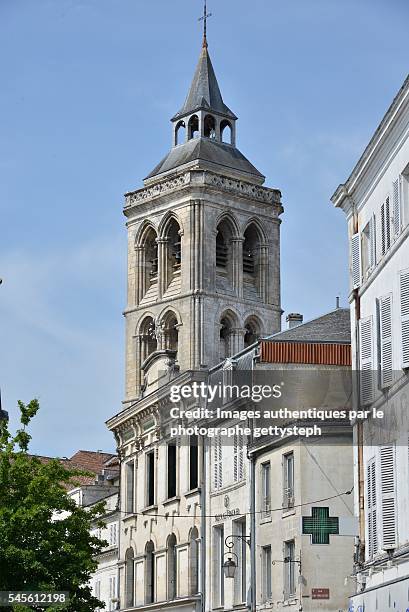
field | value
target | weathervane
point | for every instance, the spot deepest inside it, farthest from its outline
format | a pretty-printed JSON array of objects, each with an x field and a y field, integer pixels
[{"x": 205, "y": 17}]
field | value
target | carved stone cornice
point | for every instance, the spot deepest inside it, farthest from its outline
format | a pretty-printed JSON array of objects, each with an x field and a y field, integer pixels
[{"x": 204, "y": 178}]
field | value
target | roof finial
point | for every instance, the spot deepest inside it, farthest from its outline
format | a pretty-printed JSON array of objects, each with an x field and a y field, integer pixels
[{"x": 205, "y": 17}]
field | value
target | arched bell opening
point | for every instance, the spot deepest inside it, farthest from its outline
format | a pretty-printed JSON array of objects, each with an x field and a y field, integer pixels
[
  {"x": 226, "y": 132},
  {"x": 193, "y": 129},
  {"x": 209, "y": 127},
  {"x": 252, "y": 331},
  {"x": 147, "y": 334},
  {"x": 170, "y": 332},
  {"x": 224, "y": 256},
  {"x": 253, "y": 272},
  {"x": 180, "y": 133}
]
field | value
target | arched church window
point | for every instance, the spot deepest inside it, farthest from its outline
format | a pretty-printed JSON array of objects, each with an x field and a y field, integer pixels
[
  {"x": 224, "y": 255},
  {"x": 252, "y": 333},
  {"x": 149, "y": 573},
  {"x": 193, "y": 127},
  {"x": 148, "y": 261},
  {"x": 180, "y": 133},
  {"x": 209, "y": 127},
  {"x": 129, "y": 577},
  {"x": 170, "y": 331},
  {"x": 172, "y": 567},
  {"x": 147, "y": 334},
  {"x": 254, "y": 271},
  {"x": 194, "y": 560},
  {"x": 226, "y": 131},
  {"x": 225, "y": 338},
  {"x": 174, "y": 255}
]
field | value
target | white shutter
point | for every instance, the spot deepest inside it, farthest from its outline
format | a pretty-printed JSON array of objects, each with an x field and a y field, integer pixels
[
  {"x": 388, "y": 496},
  {"x": 241, "y": 457},
  {"x": 371, "y": 523},
  {"x": 366, "y": 359},
  {"x": 385, "y": 226},
  {"x": 356, "y": 260},
  {"x": 385, "y": 329},
  {"x": 404, "y": 310},
  {"x": 372, "y": 242},
  {"x": 235, "y": 458},
  {"x": 396, "y": 207},
  {"x": 217, "y": 463}
]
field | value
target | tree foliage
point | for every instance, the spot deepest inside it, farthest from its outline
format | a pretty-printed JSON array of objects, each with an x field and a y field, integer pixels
[{"x": 45, "y": 537}]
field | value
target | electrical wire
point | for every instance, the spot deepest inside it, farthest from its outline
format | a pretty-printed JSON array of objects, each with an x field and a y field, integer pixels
[{"x": 316, "y": 501}]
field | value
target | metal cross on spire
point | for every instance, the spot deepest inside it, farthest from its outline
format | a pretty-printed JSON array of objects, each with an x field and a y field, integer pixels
[{"x": 205, "y": 17}]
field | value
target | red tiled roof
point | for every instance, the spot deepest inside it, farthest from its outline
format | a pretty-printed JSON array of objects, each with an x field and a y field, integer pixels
[{"x": 88, "y": 461}]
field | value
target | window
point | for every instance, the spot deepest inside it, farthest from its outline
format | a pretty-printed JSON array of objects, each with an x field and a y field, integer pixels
[
  {"x": 240, "y": 578},
  {"x": 149, "y": 573},
  {"x": 404, "y": 312},
  {"x": 218, "y": 572},
  {"x": 238, "y": 457},
  {"x": 193, "y": 463},
  {"x": 172, "y": 470},
  {"x": 113, "y": 534},
  {"x": 385, "y": 226},
  {"x": 385, "y": 340},
  {"x": 369, "y": 247},
  {"x": 289, "y": 569},
  {"x": 129, "y": 578},
  {"x": 266, "y": 573},
  {"x": 150, "y": 478},
  {"x": 194, "y": 561},
  {"x": 388, "y": 496},
  {"x": 130, "y": 486},
  {"x": 172, "y": 567},
  {"x": 217, "y": 462},
  {"x": 371, "y": 518},
  {"x": 366, "y": 359},
  {"x": 266, "y": 490},
  {"x": 112, "y": 593},
  {"x": 288, "y": 480}
]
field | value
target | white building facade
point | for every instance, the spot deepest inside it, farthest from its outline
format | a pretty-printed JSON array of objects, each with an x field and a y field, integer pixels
[{"x": 375, "y": 200}]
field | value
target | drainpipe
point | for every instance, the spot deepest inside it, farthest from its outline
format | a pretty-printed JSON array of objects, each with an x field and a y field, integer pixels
[
  {"x": 203, "y": 492},
  {"x": 253, "y": 533}
]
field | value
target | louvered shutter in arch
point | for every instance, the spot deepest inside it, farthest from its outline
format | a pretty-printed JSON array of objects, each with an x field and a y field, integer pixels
[
  {"x": 385, "y": 329},
  {"x": 388, "y": 496},
  {"x": 366, "y": 360},
  {"x": 371, "y": 509},
  {"x": 404, "y": 311},
  {"x": 396, "y": 207},
  {"x": 356, "y": 260}
]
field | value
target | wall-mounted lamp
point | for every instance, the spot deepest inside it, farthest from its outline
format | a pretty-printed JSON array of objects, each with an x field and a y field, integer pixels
[{"x": 230, "y": 565}]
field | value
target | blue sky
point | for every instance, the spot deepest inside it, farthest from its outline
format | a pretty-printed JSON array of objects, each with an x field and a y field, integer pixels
[{"x": 87, "y": 91}]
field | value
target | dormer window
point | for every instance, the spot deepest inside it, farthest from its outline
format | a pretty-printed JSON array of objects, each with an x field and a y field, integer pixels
[{"x": 194, "y": 127}]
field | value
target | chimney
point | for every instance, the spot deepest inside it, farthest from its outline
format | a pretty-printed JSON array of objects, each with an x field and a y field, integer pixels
[
  {"x": 337, "y": 302},
  {"x": 294, "y": 319}
]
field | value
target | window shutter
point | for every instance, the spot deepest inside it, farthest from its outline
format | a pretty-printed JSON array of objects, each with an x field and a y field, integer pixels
[
  {"x": 404, "y": 306},
  {"x": 371, "y": 508},
  {"x": 396, "y": 207},
  {"x": 385, "y": 329},
  {"x": 372, "y": 242},
  {"x": 388, "y": 495},
  {"x": 241, "y": 457},
  {"x": 356, "y": 260},
  {"x": 366, "y": 359},
  {"x": 217, "y": 464},
  {"x": 235, "y": 458}
]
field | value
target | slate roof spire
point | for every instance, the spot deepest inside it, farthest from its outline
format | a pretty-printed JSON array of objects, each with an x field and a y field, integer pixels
[{"x": 204, "y": 92}]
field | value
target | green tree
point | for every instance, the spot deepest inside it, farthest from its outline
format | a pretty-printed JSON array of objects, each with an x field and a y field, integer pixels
[{"x": 45, "y": 538}]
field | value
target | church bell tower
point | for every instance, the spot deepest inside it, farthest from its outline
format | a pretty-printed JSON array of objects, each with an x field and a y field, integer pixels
[{"x": 203, "y": 246}]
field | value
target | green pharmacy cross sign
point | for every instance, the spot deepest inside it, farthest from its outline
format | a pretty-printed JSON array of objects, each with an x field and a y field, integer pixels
[{"x": 320, "y": 525}]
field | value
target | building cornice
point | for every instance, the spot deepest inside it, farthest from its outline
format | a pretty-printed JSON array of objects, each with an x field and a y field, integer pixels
[{"x": 202, "y": 178}]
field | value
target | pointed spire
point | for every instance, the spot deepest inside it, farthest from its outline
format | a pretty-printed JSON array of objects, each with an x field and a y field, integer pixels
[{"x": 204, "y": 91}]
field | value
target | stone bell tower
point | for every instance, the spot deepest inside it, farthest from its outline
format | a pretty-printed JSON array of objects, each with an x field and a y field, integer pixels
[{"x": 203, "y": 246}]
